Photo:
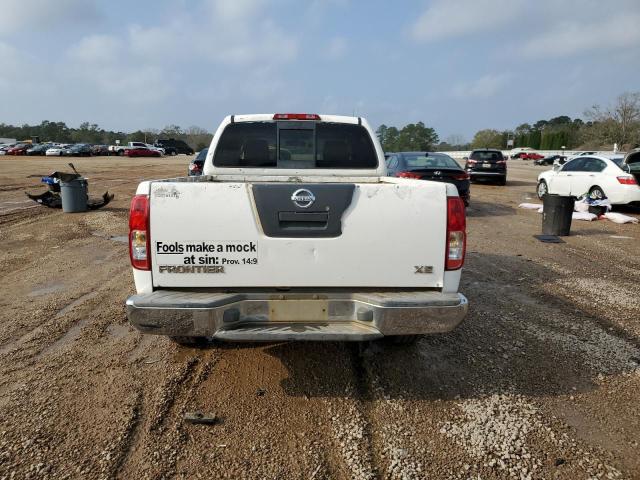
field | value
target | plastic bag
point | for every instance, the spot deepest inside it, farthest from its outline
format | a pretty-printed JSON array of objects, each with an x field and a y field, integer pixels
[
  {"x": 584, "y": 216},
  {"x": 530, "y": 206},
  {"x": 619, "y": 218},
  {"x": 581, "y": 206},
  {"x": 584, "y": 202}
]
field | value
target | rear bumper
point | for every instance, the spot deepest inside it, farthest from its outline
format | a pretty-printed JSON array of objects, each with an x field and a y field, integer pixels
[
  {"x": 295, "y": 316},
  {"x": 480, "y": 173},
  {"x": 625, "y": 194}
]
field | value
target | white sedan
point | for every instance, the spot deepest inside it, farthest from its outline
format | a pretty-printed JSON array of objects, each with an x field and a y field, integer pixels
[
  {"x": 598, "y": 176},
  {"x": 56, "y": 151}
]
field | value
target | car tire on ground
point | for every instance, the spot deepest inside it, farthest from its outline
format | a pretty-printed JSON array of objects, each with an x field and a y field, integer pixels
[
  {"x": 193, "y": 342},
  {"x": 121, "y": 153},
  {"x": 173, "y": 153},
  {"x": 596, "y": 193},
  {"x": 542, "y": 189},
  {"x": 502, "y": 181}
]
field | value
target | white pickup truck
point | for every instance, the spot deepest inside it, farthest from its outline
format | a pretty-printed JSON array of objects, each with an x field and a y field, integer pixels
[{"x": 294, "y": 232}]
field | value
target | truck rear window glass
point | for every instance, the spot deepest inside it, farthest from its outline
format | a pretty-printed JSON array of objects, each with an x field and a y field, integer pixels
[
  {"x": 290, "y": 145},
  {"x": 296, "y": 147},
  {"x": 486, "y": 156},
  {"x": 247, "y": 144}
]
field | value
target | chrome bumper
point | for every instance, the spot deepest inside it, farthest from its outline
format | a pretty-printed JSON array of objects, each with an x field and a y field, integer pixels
[
  {"x": 480, "y": 173},
  {"x": 295, "y": 316}
]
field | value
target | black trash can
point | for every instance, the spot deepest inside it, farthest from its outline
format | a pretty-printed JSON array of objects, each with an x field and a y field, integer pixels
[{"x": 556, "y": 215}]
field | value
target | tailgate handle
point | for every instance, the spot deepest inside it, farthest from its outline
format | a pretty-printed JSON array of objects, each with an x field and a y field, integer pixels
[{"x": 303, "y": 220}]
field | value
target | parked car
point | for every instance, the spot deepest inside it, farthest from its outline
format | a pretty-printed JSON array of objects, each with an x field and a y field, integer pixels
[
  {"x": 146, "y": 145},
  {"x": 530, "y": 156},
  {"x": 5, "y": 147},
  {"x": 516, "y": 152},
  {"x": 121, "y": 149},
  {"x": 487, "y": 164},
  {"x": 197, "y": 163},
  {"x": 632, "y": 162},
  {"x": 584, "y": 154},
  {"x": 437, "y": 167},
  {"x": 100, "y": 150},
  {"x": 19, "y": 149},
  {"x": 172, "y": 146},
  {"x": 57, "y": 150},
  {"x": 141, "y": 152},
  {"x": 313, "y": 237},
  {"x": 550, "y": 160},
  {"x": 78, "y": 150},
  {"x": 38, "y": 149},
  {"x": 599, "y": 176}
]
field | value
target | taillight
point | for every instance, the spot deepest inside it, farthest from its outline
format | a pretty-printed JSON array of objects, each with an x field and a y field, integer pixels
[
  {"x": 472, "y": 162},
  {"x": 501, "y": 162},
  {"x": 296, "y": 116},
  {"x": 139, "y": 240},
  {"x": 456, "y": 233},
  {"x": 408, "y": 175},
  {"x": 463, "y": 176},
  {"x": 627, "y": 180}
]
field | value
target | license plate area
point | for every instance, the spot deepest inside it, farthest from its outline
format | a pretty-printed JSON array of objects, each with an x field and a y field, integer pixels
[
  {"x": 486, "y": 165},
  {"x": 298, "y": 310}
]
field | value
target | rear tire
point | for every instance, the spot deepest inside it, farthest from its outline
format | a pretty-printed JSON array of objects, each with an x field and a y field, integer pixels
[
  {"x": 121, "y": 153},
  {"x": 502, "y": 181},
  {"x": 596, "y": 193},
  {"x": 191, "y": 342}
]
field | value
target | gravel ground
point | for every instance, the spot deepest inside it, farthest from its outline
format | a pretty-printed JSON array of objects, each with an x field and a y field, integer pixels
[{"x": 540, "y": 381}]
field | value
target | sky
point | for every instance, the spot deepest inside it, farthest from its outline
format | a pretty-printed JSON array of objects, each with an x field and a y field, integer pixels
[{"x": 457, "y": 65}]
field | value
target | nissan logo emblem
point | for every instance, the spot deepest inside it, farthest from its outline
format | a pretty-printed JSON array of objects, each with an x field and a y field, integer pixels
[{"x": 303, "y": 198}]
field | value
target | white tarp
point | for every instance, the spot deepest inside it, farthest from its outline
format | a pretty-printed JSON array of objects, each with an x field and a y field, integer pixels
[
  {"x": 620, "y": 218},
  {"x": 589, "y": 217},
  {"x": 530, "y": 206}
]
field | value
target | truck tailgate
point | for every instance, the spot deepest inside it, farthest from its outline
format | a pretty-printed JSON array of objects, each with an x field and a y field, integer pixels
[{"x": 281, "y": 234}]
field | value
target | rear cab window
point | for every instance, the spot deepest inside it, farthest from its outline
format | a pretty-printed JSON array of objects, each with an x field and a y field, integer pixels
[{"x": 295, "y": 145}]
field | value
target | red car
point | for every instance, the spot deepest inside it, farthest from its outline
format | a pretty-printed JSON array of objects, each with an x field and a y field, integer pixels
[
  {"x": 530, "y": 156},
  {"x": 141, "y": 152},
  {"x": 20, "y": 149}
]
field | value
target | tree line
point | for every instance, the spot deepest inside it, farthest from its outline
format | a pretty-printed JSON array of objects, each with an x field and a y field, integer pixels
[
  {"x": 602, "y": 127},
  {"x": 411, "y": 137},
  {"x": 198, "y": 138},
  {"x": 618, "y": 123}
]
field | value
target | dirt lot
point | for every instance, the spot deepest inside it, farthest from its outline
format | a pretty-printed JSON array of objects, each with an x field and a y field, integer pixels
[{"x": 542, "y": 380}]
